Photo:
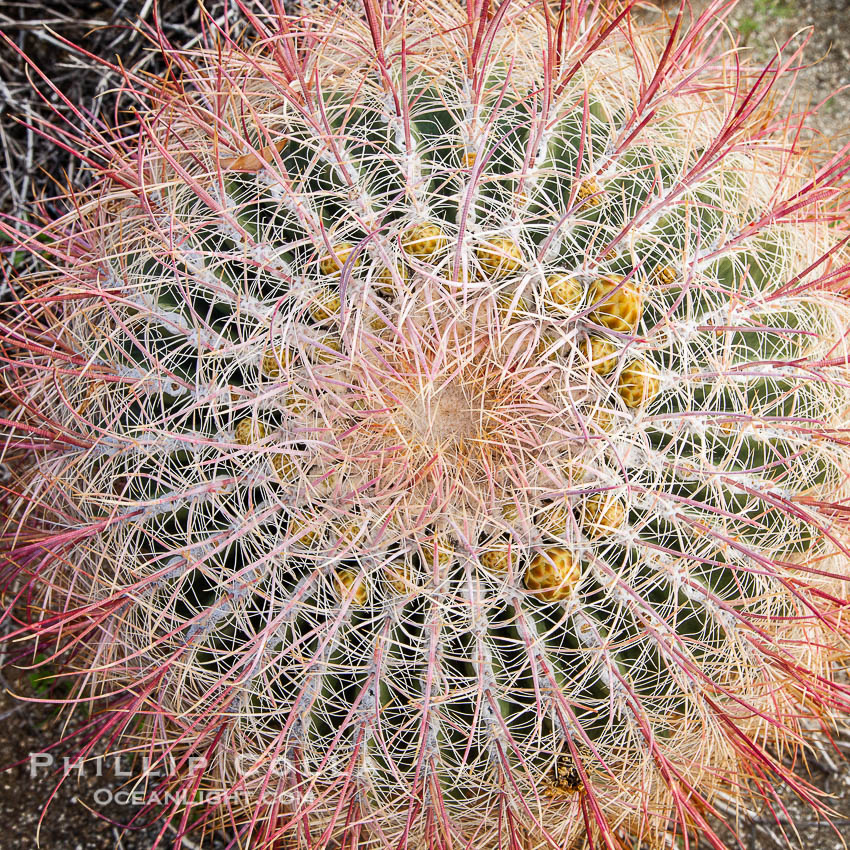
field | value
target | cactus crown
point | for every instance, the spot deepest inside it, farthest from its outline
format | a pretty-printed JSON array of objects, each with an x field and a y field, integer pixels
[{"x": 454, "y": 428}]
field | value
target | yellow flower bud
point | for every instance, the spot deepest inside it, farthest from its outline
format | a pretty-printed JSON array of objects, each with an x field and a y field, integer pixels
[
  {"x": 249, "y": 431},
  {"x": 325, "y": 305},
  {"x": 499, "y": 558},
  {"x": 588, "y": 190},
  {"x": 618, "y": 305},
  {"x": 563, "y": 293},
  {"x": 333, "y": 263},
  {"x": 424, "y": 241},
  {"x": 553, "y": 575},
  {"x": 275, "y": 361},
  {"x": 345, "y": 581},
  {"x": 601, "y": 515},
  {"x": 638, "y": 384},
  {"x": 499, "y": 257},
  {"x": 602, "y": 354}
]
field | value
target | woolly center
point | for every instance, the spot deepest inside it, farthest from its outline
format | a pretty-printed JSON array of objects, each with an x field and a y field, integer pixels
[{"x": 444, "y": 420}]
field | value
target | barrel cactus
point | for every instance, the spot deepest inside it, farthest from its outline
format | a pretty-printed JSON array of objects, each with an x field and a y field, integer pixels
[{"x": 435, "y": 420}]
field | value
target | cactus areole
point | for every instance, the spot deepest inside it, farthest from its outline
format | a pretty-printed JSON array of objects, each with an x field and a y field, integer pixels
[{"x": 435, "y": 420}]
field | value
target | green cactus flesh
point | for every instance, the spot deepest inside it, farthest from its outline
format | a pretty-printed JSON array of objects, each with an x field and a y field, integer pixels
[{"x": 409, "y": 401}]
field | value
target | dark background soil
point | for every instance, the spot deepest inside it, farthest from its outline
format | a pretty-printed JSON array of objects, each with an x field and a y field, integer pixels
[{"x": 75, "y": 819}]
